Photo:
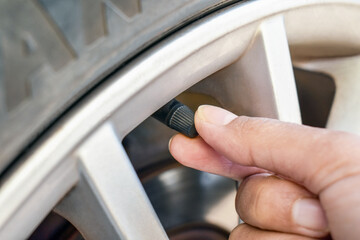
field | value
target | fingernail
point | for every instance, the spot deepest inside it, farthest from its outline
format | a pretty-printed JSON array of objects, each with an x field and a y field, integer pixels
[
  {"x": 169, "y": 144},
  {"x": 214, "y": 115},
  {"x": 308, "y": 213}
]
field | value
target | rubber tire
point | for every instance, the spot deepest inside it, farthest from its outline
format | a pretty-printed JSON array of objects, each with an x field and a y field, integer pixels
[{"x": 53, "y": 52}]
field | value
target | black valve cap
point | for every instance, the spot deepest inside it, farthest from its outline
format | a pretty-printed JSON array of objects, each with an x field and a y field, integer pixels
[{"x": 177, "y": 116}]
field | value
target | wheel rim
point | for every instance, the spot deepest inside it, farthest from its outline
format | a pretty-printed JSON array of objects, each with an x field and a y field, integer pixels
[{"x": 251, "y": 36}]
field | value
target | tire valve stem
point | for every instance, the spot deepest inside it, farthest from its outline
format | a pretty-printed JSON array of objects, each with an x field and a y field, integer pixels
[{"x": 177, "y": 116}]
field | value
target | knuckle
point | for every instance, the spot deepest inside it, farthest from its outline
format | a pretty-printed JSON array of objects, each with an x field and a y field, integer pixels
[{"x": 250, "y": 197}]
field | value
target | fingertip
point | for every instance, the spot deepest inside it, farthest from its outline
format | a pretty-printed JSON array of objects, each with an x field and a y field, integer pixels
[
  {"x": 174, "y": 143},
  {"x": 213, "y": 115}
]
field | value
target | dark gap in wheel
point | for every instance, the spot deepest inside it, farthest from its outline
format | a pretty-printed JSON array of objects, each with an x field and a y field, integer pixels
[
  {"x": 198, "y": 232},
  {"x": 55, "y": 227},
  {"x": 316, "y": 93},
  {"x": 182, "y": 197},
  {"x": 152, "y": 137}
]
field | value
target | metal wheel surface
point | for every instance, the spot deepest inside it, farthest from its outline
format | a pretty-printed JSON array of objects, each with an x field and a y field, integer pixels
[{"x": 243, "y": 57}]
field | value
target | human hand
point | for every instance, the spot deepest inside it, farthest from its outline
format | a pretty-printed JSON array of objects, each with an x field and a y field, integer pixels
[{"x": 299, "y": 182}]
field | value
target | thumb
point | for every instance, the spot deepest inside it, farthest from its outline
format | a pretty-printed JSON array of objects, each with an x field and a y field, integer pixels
[{"x": 312, "y": 157}]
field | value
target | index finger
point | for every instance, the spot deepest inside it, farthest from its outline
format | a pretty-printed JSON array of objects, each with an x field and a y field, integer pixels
[{"x": 313, "y": 157}]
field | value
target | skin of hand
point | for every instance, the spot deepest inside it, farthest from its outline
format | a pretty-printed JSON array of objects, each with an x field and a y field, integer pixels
[{"x": 298, "y": 182}]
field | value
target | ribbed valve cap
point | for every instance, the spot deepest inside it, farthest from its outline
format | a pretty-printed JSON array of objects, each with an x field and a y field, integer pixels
[{"x": 177, "y": 116}]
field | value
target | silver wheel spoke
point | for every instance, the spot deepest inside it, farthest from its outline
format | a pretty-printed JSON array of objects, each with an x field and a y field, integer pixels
[
  {"x": 262, "y": 82},
  {"x": 269, "y": 84},
  {"x": 116, "y": 197}
]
